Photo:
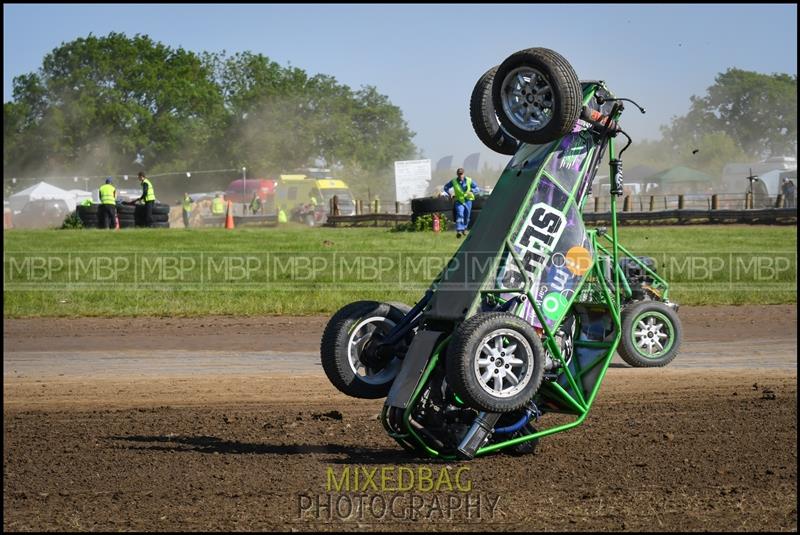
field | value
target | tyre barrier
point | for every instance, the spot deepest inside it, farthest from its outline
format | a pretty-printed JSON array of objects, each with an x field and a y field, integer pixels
[
  {"x": 429, "y": 205},
  {"x": 160, "y": 215},
  {"x": 129, "y": 216}
]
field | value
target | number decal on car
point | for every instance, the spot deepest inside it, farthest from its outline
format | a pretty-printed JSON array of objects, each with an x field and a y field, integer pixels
[{"x": 543, "y": 228}]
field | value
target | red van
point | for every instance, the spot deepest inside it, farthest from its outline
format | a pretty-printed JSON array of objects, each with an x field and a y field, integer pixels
[{"x": 241, "y": 191}]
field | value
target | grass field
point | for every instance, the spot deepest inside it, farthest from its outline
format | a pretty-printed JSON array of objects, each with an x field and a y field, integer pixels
[{"x": 297, "y": 270}]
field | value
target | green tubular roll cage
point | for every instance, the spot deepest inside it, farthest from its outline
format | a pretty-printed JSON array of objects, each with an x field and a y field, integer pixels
[{"x": 572, "y": 393}]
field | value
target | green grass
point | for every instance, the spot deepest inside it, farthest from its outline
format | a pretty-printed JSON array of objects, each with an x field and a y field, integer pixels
[{"x": 297, "y": 270}]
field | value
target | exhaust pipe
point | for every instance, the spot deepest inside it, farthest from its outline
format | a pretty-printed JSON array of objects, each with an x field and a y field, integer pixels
[{"x": 477, "y": 434}]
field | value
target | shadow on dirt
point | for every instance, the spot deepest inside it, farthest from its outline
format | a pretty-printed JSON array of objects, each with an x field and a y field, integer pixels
[{"x": 212, "y": 445}]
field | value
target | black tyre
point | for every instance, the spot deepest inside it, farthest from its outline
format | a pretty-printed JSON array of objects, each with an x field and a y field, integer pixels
[
  {"x": 158, "y": 209},
  {"x": 651, "y": 335},
  {"x": 479, "y": 201},
  {"x": 161, "y": 209},
  {"x": 88, "y": 210},
  {"x": 89, "y": 221},
  {"x": 428, "y": 205},
  {"x": 125, "y": 210},
  {"x": 126, "y": 223},
  {"x": 157, "y": 217},
  {"x": 495, "y": 362},
  {"x": 160, "y": 224},
  {"x": 344, "y": 338},
  {"x": 484, "y": 119},
  {"x": 536, "y": 95}
]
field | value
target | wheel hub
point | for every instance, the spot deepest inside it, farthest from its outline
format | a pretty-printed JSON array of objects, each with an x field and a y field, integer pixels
[
  {"x": 527, "y": 99},
  {"x": 650, "y": 337},
  {"x": 504, "y": 363},
  {"x": 365, "y": 357}
]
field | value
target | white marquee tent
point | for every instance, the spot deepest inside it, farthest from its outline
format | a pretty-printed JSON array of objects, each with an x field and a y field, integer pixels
[
  {"x": 42, "y": 190},
  {"x": 81, "y": 195}
]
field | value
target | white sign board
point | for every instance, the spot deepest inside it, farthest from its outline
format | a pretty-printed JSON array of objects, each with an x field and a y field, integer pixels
[{"x": 411, "y": 179}]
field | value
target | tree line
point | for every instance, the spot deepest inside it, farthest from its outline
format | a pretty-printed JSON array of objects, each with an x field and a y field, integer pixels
[
  {"x": 744, "y": 116},
  {"x": 118, "y": 104}
]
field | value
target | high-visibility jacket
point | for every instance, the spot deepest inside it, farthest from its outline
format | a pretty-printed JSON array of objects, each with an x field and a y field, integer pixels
[
  {"x": 282, "y": 217},
  {"x": 255, "y": 204},
  {"x": 460, "y": 194},
  {"x": 217, "y": 206},
  {"x": 86, "y": 202},
  {"x": 107, "y": 194},
  {"x": 150, "y": 196},
  {"x": 187, "y": 204}
]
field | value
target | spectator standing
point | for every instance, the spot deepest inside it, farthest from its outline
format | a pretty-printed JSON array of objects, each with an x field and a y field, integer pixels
[
  {"x": 107, "y": 211},
  {"x": 463, "y": 189},
  {"x": 788, "y": 190},
  {"x": 255, "y": 204},
  {"x": 218, "y": 205},
  {"x": 187, "y": 209},
  {"x": 149, "y": 198}
]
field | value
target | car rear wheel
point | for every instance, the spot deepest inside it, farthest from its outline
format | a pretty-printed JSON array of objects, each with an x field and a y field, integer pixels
[
  {"x": 537, "y": 95},
  {"x": 484, "y": 119},
  {"x": 343, "y": 342}
]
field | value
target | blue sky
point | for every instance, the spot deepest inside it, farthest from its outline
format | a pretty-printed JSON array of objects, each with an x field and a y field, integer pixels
[{"x": 426, "y": 58}]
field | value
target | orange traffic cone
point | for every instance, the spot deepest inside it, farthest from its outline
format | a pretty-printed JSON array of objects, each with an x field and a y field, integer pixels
[{"x": 229, "y": 217}]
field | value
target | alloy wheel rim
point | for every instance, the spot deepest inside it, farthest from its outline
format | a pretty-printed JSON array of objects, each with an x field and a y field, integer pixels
[
  {"x": 503, "y": 363},
  {"x": 527, "y": 98},
  {"x": 652, "y": 335},
  {"x": 362, "y": 332}
]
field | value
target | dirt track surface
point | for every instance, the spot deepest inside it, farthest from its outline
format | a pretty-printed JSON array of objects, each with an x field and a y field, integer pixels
[
  {"x": 707, "y": 444},
  {"x": 302, "y": 333}
]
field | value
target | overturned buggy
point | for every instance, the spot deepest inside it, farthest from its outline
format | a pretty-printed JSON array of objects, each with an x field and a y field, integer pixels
[{"x": 527, "y": 315}]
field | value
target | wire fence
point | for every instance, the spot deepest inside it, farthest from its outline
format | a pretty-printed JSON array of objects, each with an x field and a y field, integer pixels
[
  {"x": 629, "y": 203},
  {"x": 715, "y": 201}
]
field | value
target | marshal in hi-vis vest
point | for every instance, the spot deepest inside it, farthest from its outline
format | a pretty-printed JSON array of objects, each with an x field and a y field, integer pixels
[
  {"x": 107, "y": 194},
  {"x": 461, "y": 195},
  {"x": 151, "y": 193},
  {"x": 217, "y": 206}
]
